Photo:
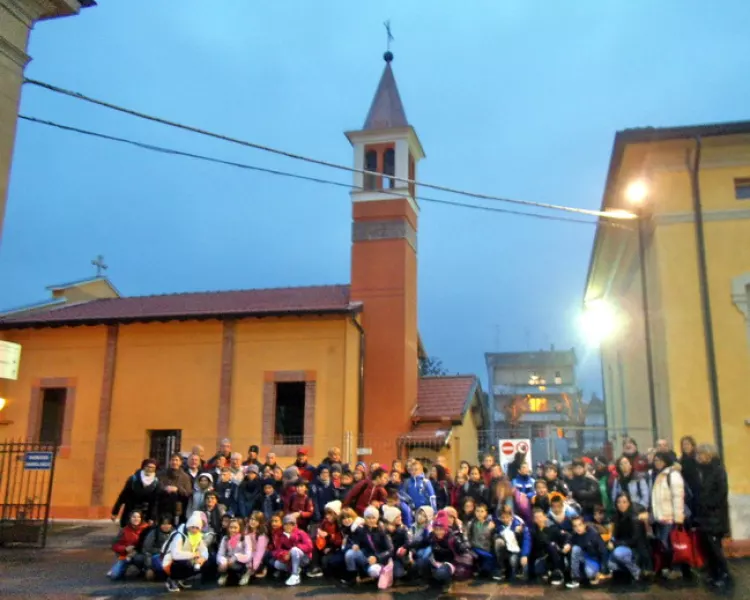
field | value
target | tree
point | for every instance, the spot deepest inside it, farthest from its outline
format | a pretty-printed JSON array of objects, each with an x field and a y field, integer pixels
[{"x": 431, "y": 366}]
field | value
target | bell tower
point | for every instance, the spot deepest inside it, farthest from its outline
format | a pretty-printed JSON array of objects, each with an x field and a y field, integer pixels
[{"x": 384, "y": 264}]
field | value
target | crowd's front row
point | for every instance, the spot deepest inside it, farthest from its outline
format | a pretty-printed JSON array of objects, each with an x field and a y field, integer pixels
[{"x": 556, "y": 545}]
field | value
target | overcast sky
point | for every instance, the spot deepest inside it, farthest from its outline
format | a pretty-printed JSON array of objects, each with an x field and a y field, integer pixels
[{"x": 518, "y": 99}]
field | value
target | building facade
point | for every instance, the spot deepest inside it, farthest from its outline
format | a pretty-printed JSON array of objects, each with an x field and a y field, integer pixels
[{"x": 678, "y": 355}]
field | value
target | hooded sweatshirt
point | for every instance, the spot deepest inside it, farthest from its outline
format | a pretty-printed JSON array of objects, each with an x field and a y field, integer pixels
[
  {"x": 184, "y": 545},
  {"x": 420, "y": 533},
  {"x": 421, "y": 492}
]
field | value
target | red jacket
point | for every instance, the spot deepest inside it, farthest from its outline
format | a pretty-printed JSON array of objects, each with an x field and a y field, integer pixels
[
  {"x": 275, "y": 538},
  {"x": 296, "y": 539},
  {"x": 363, "y": 494},
  {"x": 306, "y": 471},
  {"x": 129, "y": 536},
  {"x": 333, "y": 540},
  {"x": 302, "y": 505}
]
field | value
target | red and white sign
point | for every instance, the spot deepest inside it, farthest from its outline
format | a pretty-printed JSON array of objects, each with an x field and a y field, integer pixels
[{"x": 508, "y": 449}]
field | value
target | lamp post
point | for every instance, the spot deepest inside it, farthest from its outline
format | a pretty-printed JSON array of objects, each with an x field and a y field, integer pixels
[{"x": 637, "y": 194}]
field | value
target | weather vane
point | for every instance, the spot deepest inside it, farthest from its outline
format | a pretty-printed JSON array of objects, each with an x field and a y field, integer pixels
[
  {"x": 98, "y": 262},
  {"x": 389, "y": 38}
]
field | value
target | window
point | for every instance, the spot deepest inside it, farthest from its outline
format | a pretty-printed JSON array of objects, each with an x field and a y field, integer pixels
[
  {"x": 389, "y": 167},
  {"x": 371, "y": 164},
  {"x": 290, "y": 412},
  {"x": 538, "y": 405},
  {"x": 53, "y": 415},
  {"x": 163, "y": 443},
  {"x": 742, "y": 189},
  {"x": 558, "y": 378}
]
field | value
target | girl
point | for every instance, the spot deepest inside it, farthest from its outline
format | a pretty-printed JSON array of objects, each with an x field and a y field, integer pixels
[
  {"x": 505, "y": 495},
  {"x": 152, "y": 545},
  {"x": 449, "y": 557},
  {"x": 667, "y": 507},
  {"x": 475, "y": 487},
  {"x": 690, "y": 469},
  {"x": 274, "y": 535},
  {"x": 186, "y": 554},
  {"x": 463, "y": 469},
  {"x": 468, "y": 509},
  {"x": 234, "y": 555},
  {"x": 257, "y": 536},
  {"x": 329, "y": 540},
  {"x": 629, "y": 544},
  {"x": 631, "y": 483},
  {"x": 127, "y": 544},
  {"x": 457, "y": 493},
  {"x": 439, "y": 481}
]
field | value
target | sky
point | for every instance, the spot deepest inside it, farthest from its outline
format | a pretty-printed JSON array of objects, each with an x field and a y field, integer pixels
[{"x": 519, "y": 99}]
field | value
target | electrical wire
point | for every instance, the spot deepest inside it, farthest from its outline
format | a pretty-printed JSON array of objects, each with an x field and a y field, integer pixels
[
  {"x": 619, "y": 215},
  {"x": 389, "y": 193}
]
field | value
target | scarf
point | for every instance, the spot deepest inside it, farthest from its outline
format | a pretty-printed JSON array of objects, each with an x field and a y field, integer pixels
[
  {"x": 234, "y": 541},
  {"x": 146, "y": 479},
  {"x": 194, "y": 539}
]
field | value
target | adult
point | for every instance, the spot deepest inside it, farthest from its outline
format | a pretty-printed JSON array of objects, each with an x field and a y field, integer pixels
[
  {"x": 689, "y": 469},
  {"x": 368, "y": 492},
  {"x": 712, "y": 512},
  {"x": 225, "y": 450},
  {"x": 635, "y": 485},
  {"x": 236, "y": 468},
  {"x": 175, "y": 489},
  {"x": 198, "y": 449},
  {"x": 663, "y": 445},
  {"x": 630, "y": 449},
  {"x": 584, "y": 489},
  {"x": 270, "y": 461},
  {"x": 629, "y": 542},
  {"x": 252, "y": 457},
  {"x": 332, "y": 458},
  {"x": 193, "y": 468},
  {"x": 419, "y": 488},
  {"x": 140, "y": 492},
  {"x": 306, "y": 470},
  {"x": 667, "y": 507}
]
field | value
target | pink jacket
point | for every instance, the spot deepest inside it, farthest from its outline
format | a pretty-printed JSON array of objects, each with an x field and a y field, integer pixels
[
  {"x": 296, "y": 539},
  {"x": 259, "y": 544},
  {"x": 242, "y": 553}
]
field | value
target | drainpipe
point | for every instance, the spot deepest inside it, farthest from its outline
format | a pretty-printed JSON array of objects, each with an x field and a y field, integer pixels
[
  {"x": 361, "y": 391},
  {"x": 708, "y": 329}
]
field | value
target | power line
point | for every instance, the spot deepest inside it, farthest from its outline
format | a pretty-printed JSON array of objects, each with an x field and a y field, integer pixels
[
  {"x": 391, "y": 193},
  {"x": 619, "y": 215}
]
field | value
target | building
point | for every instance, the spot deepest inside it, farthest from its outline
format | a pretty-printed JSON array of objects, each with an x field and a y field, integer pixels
[
  {"x": 113, "y": 379},
  {"x": 17, "y": 18},
  {"x": 691, "y": 302},
  {"x": 595, "y": 437},
  {"x": 535, "y": 395}
]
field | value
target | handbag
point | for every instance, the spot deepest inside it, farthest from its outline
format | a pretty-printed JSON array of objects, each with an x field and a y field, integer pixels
[
  {"x": 385, "y": 580},
  {"x": 682, "y": 546},
  {"x": 699, "y": 560}
]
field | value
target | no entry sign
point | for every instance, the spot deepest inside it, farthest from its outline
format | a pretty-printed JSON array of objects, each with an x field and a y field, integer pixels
[{"x": 508, "y": 449}]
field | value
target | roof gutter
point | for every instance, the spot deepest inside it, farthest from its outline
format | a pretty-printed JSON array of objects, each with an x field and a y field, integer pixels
[{"x": 361, "y": 390}]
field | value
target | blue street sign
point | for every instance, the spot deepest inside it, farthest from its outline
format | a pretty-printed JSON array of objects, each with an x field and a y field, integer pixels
[{"x": 37, "y": 461}]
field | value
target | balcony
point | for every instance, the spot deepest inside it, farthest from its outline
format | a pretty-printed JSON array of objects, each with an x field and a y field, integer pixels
[{"x": 525, "y": 390}]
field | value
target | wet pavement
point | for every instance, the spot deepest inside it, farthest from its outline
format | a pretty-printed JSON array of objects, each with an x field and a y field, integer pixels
[{"x": 74, "y": 566}]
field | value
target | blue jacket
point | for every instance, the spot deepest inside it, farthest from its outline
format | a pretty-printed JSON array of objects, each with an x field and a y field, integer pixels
[
  {"x": 227, "y": 495},
  {"x": 591, "y": 543},
  {"x": 421, "y": 492},
  {"x": 524, "y": 538},
  {"x": 321, "y": 495},
  {"x": 525, "y": 485},
  {"x": 406, "y": 517}
]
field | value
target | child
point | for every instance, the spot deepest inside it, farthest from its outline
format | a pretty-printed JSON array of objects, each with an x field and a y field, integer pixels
[
  {"x": 455, "y": 523},
  {"x": 347, "y": 481},
  {"x": 587, "y": 554},
  {"x": 602, "y": 523},
  {"x": 294, "y": 550},
  {"x": 328, "y": 541},
  {"x": 203, "y": 484},
  {"x": 560, "y": 513},
  {"x": 481, "y": 536},
  {"x": 541, "y": 495},
  {"x": 271, "y": 502},
  {"x": 396, "y": 501},
  {"x": 350, "y": 522},
  {"x": 419, "y": 533},
  {"x": 322, "y": 492},
  {"x": 476, "y": 487},
  {"x": 226, "y": 491},
  {"x": 249, "y": 493},
  {"x": 457, "y": 493},
  {"x": 371, "y": 549},
  {"x": 449, "y": 557},
  {"x": 127, "y": 544},
  {"x": 512, "y": 546},
  {"x": 234, "y": 554},
  {"x": 549, "y": 544},
  {"x": 584, "y": 490},
  {"x": 554, "y": 483},
  {"x": 152, "y": 545},
  {"x": 215, "y": 527},
  {"x": 399, "y": 535},
  {"x": 186, "y": 554},
  {"x": 276, "y": 530},
  {"x": 300, "y": 505},
  {"x": 524, "y": 482},
  {"x": 257, "y": 535}
]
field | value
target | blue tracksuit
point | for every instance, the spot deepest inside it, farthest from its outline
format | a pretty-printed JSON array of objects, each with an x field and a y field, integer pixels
[{"x": 421, "y": 492}]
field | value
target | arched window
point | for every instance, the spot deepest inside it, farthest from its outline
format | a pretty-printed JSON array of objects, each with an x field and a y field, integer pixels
[
  {"x": 389, "y": 168},
  {"x": 371, "y": 164}
]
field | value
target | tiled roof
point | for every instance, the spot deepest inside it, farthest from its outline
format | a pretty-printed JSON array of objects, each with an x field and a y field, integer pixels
[
  {"x": 237, "y": 303},
  {"x": 387, "y": 110},
  {"x": 444, "y": 397},
  {"x": 428, "y": 434}
]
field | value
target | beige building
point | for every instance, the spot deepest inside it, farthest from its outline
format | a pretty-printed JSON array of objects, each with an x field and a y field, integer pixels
[{"x": 17, "y": 18}]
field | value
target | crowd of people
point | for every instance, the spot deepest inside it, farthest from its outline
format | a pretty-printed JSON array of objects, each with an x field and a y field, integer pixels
[{"x": 235, "y": 520}]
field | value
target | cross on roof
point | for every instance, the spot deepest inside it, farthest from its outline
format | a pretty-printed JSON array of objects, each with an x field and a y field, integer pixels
[
  {"x": 98, "y": 262},
  {"x": 390, "y": 37}
]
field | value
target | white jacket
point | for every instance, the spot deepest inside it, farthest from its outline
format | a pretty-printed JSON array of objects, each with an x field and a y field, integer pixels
[
  {"x": 668, "y": 497},
  {"x": 242, "y": 553},
  {"x": 179, "y": 548}
]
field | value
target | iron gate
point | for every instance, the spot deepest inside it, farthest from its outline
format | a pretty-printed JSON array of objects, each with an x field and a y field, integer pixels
[{"x": 26, "y": 473}]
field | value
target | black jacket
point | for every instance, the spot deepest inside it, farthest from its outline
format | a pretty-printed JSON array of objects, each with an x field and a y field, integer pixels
[
  {"x": 630, "y": 531},
  {"x": 249, "y": 496},
  {"x": 712, "y": 506},
  {"x": 552, "y": 534},
  {"x": 586, "y": 492},
  {"x": 134, "y": 496},
  {"x": 374, "y": 542},
  {"x": 590, "y": 542},
  {"x": 477, "y": 490}
]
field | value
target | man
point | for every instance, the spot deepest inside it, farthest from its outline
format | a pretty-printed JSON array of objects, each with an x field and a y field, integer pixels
[
  {"x": 585, "y": 490},
  {"x": 368, "y": 492},
  {"x": 175, "y": 490},
  {"x": 252, "y": 457},
  {"x": 198, "y": 449},
  {"x": 270, "y": 461},
  {"x": 225, "y": 450},
  {"x": 306, "y": 470},
  {"x": 236, "y": 468},
  {"x": 663, "y": 445},
  {"x": 193, "y": 468},
  {"x": 333, "y": 458}
]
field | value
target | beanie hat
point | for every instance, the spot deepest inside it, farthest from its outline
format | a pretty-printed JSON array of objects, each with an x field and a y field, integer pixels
[
  {"x": 291, "y": 474},
  {"x": 323, "y": 467},
  {"x": 391, "y": 513},
  {"x": 254, "y": 448},
  {"x": 361, "y": 466},
  {"x": 253, "y": 469},
  {"x": 290, "y": 518},
  {"x": 334, "y": 506},
  {"x": 207, "y": 476},
  {"x": 441, "y": 520},
  {"x": 371, "y": 511},
  {"x": 336, "y": 468},
  {"x": 195, "y": 520}
]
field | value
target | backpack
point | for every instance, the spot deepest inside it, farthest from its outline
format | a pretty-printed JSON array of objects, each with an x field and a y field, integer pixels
[
  {"x": 688, "y": 495},
  {"x": 165, "y": 547}
]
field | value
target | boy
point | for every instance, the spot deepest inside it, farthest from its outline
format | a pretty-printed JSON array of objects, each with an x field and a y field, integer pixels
[
  {"x": 549, "y": 543},
  {"x": 271, "y": 502},
  {"x": 300, "y": 505},
  {"x": 512, "y": 546},
  {"x": 396, "y": 501},
  {"x": 541, "y": 495},
  {"x": 554, "y": 483},
  {"x": 584, "y": 490},
  {"x": 203, "y": 484},
  {"x": 293, "y": 551},
  {"x": 561, "y": 514},
  {"x": 587, "y": 554},
  {"x": 226, "y": 491},
  {"x": 481, "y": 536},
  {"x": 250, "y": 492},
  {"x": 215, "y": 515},
  {"x": 322, "y": 492},
  {"x": 347, "y": 481},
  {"x": 524, "y": 482}
]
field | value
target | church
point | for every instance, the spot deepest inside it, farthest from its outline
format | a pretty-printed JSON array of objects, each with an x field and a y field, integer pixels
[{"x": 112, "y": 379}]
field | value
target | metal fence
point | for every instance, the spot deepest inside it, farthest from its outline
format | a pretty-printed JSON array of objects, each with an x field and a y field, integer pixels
[{"x": 27, "y": 470}]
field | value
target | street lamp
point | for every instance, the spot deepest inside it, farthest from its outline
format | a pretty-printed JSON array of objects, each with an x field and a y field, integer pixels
[
  {"x": 599, "y": 321},
  {"x": 637, "y": 193}
]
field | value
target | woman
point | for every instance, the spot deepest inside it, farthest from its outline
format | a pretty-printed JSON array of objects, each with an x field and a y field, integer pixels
[
  {"x": 712, "y": 512},
  {"x": 140, "y": 493},
  {"x": 631, "y": 483},
  {"x": 689, "y": 466},
  {"x": 667, "y": 507},
  {"x": 629, "y": 544},
  {"x": 439, "y": 481}
]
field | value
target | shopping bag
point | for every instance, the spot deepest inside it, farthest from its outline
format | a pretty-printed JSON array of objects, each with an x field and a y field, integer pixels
[
  {"x": 385, "y": 580},
  {"x": 682, "y": 546},
  {"x": 699, "y": 560}
]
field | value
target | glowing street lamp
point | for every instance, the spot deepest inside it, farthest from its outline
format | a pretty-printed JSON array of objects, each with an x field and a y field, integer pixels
[
  {"x": 599, "y": 321},
  {"x": 637, "y": 191}
]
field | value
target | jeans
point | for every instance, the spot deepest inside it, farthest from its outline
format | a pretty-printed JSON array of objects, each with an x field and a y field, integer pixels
[
  {"x": 298, "y": 560},
  {"x": 622, "y": 559},
  {"x": 442, "y": 572},
  {"x": 121, "y": 566},
  {"x": 155, "y": 564},
  {"x": 485, "y": 561},
  {"x": 355, "y": 560},
  {"x": 332, "y": 562},
  {"x": 581, "y": 565}
]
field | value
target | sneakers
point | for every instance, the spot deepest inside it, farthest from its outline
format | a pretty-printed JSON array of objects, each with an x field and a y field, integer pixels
[
  {"x": 245, "y": 579},
  {"x": 498, "y": 576},
  {"x": 185, "y": 584},
  {"x": 573, "y": 585},
  {"x": 222, "y": 580},
  {"x": 556, "y": 578},
  {"x": 293, "y": 580},
  {"x": 172, "y": 586},
  {"x": 315, "y": 572}
]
